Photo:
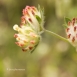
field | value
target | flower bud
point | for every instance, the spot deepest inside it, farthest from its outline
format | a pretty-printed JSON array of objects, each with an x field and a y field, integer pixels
[
  {"x": 71, "y": 32},
  {"x": 28, "y": 35}
]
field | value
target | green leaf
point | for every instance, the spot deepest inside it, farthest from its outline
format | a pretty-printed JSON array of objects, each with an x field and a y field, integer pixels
[
  {"x": 67, "y": 20},
  {"x": 38, "y": 19}
]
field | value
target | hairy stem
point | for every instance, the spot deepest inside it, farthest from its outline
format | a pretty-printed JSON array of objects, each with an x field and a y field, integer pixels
[{"x": 56, "y": 35}]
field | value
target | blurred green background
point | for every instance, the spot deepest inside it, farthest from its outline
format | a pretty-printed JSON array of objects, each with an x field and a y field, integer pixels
[{"x": 53, "y": 57}]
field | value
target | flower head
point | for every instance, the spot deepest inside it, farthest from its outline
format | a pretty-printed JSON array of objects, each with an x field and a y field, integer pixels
[
  {"x": 31, "y": 26},
  {"x": 71, "y": 32}
]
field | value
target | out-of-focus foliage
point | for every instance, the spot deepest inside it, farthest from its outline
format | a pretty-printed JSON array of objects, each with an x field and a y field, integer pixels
[{"x": 53, "y": 57}]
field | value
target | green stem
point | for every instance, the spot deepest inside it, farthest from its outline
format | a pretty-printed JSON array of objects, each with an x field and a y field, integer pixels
[{"x": 56, "y": 35}]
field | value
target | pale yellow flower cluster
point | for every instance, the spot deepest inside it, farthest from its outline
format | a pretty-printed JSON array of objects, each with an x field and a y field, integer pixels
[{"x": 29, "y": 31}]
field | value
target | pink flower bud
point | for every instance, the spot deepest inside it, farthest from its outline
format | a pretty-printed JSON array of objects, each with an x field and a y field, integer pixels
[{"x": 71, "y": 32}]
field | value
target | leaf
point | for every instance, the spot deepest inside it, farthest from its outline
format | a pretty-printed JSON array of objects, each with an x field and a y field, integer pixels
[
  {"x": 38, "y": 19},
  {"x": 41, "y": 10},
  {"x": 34, "y": 48},
  {"x": 67, "y": 20}
]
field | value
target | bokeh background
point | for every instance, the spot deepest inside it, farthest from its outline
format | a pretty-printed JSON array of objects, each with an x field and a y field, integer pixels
[{"x": 53, "y": 57}]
